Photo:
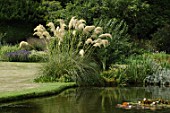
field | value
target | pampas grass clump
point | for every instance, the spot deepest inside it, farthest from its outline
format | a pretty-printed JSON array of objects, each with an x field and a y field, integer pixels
[{"x": 70, "y": 50}]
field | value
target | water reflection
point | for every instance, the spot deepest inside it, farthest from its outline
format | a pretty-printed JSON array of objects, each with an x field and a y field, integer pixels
[{"x": 89, "y": 100}]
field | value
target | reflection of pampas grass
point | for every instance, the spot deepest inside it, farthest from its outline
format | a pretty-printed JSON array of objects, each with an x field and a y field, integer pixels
[{"x": 105, "y": 35}]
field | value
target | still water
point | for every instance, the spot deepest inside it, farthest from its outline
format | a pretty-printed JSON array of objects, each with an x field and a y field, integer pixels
[{"x": 89, "y": 100}]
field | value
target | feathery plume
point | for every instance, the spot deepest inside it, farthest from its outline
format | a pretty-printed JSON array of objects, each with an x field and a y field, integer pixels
[
  {"x": 23, "y": 44},
  {"x": 40, "y": 28},
  {"x": 88, "y": 29},
  {"x": 74, "y": 32},
  {"x": 97, "y": 45},
  {"x": 47, "y": 35},
  {"x": 81, "y": 52},
  {"x": 98, "y": 30},
  {"x": 104, "y": 42},
  {"x": 39, "y": 34},
  {"x": 105, "y": 35},
  {"x": 94, "y": 36},
  {"x": 80, "y": 26},
  {"x": 99, "y": 40},
  {"x": 72, "y": 22},
  {"x": 81, "y": 21},
  {"x": 62, "y": 24},
  {"x": 52, "y": 26},
  {"x": 89, "y": 41}
]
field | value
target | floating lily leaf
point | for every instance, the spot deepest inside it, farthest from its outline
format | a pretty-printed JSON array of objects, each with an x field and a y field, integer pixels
[{"x": 146, "y": 104}]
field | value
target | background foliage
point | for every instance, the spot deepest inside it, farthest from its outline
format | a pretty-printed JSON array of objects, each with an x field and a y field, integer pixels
[{"x": 143, "y": 17}]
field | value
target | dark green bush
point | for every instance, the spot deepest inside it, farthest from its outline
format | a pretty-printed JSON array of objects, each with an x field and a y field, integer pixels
[
  {"x": 136, "y": 69},
  {"x": 120, "y": 46},
  {"x": 22, "y": 10},
  {"x": 37, "y": 44},
  {"x": 38, "y": 56},
  {"x": 16, "y": 31},
  {"x": 161, "y": 39},
  {"x": 17, "y": 19}
]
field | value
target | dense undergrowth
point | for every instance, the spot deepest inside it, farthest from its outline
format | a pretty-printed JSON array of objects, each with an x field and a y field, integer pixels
[{"x": 118, "y": 43}]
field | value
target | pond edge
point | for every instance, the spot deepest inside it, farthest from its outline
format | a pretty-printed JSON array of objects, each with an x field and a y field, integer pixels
[{"x": 44, "y": 90}]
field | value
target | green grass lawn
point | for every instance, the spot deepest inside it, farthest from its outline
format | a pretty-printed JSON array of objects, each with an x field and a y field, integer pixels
[{"x": 17, "y": 82}]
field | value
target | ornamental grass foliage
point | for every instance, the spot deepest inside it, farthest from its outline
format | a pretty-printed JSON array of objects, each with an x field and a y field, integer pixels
[{"x": 70, "y": 49}]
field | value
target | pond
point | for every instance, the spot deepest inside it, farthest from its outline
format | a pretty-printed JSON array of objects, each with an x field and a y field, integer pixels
[{"x": 89, "y": 100}]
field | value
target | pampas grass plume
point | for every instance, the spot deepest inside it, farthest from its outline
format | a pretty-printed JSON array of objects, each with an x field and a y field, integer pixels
[
  {"x": 39, "y": 34},
  {"x": 98, "y": 30},
  {"x": 80, "y": 26},
  {"x": 88, "y": 29},
  {"x": 23, "y": 44},
  {"x": 97, "y": 45},
  {"x": 47, "y": 35},
  {"x": 89, "y": 41},
  {"x": 72, "y": 22},
  {"x": 81, "y": 52},
  {"x": 40, "y": 28},
  {"x": 52, "y": 26},
  {"x": 105, "y": 35},
  {"x": 105, "y": 42},
  {"x": 97, "y": 40}
]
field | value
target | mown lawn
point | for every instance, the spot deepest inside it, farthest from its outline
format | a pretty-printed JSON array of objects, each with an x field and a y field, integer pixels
[{"x": 16, "y": 81}]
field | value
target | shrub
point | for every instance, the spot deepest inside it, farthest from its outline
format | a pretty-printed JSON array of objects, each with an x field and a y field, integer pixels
[
  {"x": 18, "y": 56},
  {"x": 24, "y": 45},
  {"x": 2, "y": 35},
  {"x": 37, "y": 44},
  {"x": 161, "y": 58},
  {"x": 139, "y": 67},
  {"x": 38, "y": 56},
  {"x": 161, "y": 39},
  {"x": 136, "y": 69},
  {"x": 120, "y": 46},
  {"x": 160, "y": 77},
  {"x": 15, "y": 31},
  {"x": 71, "y": 50},
  {"x": 115, "y": 75},
  {"x": 6, "y": 49}
]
